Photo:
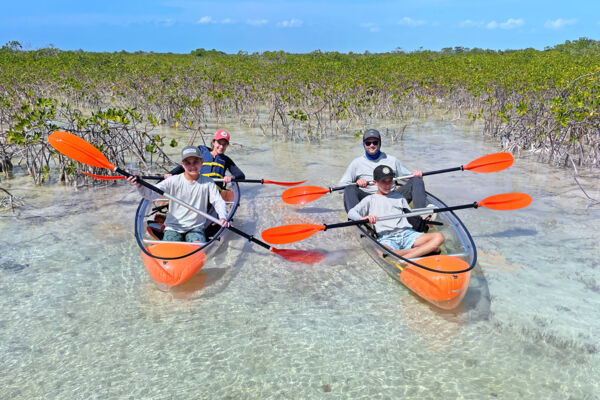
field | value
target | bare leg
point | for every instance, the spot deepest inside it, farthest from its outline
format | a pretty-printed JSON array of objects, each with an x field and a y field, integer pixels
[{"x": 425, "y": 244}]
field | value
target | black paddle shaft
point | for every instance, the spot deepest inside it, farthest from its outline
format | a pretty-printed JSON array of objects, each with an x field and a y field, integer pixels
[
  {"x": 140, "y": 180},
  {"x": 366, "y": 221},
  {"x": 261, "y": 181},
  {"x": 334, "y": 189},
  {"x": 441, "y": 171},
  {"x": 249, "y": 237}
]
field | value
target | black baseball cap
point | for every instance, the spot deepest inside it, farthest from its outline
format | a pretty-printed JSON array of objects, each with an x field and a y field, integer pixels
[
  {"x": 371, "y": 133},
  {"x": 382, "y": 172}
]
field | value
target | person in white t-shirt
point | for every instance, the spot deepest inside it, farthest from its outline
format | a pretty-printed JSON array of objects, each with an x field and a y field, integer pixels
[
  {"x": 196, "y": 190},
  {"x": 397, "y": 234}
]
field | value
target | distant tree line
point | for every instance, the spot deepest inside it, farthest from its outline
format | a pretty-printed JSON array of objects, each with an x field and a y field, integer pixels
[{"x": 545, "y": 102}]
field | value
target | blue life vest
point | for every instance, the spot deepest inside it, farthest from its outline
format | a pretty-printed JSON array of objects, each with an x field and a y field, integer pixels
[{"x": 213, "y": 167}]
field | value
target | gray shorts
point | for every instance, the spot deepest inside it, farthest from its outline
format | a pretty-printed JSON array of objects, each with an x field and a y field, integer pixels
[{"x": 195, "y": 235}]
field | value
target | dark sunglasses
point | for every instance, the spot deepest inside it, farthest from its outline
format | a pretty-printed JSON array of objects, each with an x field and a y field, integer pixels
[{"x": 369, "y": 142}]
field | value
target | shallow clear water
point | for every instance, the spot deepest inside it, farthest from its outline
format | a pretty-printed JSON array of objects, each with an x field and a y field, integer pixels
[{"x": 80, "y": 318}]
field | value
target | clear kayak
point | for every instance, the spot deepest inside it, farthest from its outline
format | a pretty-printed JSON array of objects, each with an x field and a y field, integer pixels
[
  {"x": 173, "y": 263},
  {"x": 441, "y": 279}
]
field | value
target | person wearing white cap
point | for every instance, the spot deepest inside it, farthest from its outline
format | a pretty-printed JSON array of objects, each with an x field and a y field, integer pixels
[
  {"x": 360, "y": 172},
  {"x": 199, "y": 191},
  {"x": 216, "y": 163}
]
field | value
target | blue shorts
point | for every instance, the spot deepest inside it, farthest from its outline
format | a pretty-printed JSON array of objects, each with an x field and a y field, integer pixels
[{"x": 401, "y": 240}]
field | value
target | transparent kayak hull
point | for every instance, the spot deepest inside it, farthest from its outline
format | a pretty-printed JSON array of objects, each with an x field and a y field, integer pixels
[
  {"x": 173, "y": 263},
  {"x": 458, "y": 256}
]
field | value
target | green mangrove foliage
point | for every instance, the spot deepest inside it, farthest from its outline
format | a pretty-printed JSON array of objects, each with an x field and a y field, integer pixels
[{"x": 540, "y": 101}]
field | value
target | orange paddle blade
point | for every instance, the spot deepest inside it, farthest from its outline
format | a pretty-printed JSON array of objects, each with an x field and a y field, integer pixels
[
  {"x": 78, "y": 149},
  {"x": 491, "y": 163},
  {"x": 104, "y": 177},
  {"x": 506, "y": 201},
  {"x": 303, "y": 194},
  {"x": 303, "y": 256},
  {"x": 290, "y": 233},
  {"x": 284, "y": 183}
]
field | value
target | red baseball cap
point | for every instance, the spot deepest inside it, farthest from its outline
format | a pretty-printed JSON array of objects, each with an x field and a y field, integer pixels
[{"x": 222, "y": 135}]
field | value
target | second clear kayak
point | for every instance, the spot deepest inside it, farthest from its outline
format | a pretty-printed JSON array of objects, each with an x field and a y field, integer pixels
[{"x": 441, "y": 279}]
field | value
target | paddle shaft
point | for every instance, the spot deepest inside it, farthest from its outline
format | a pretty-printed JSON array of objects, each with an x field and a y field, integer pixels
[
  {"x": 489, "y": 163},
  {"x": 439, "y": 171},
  {"x": 194, "y": 209},
  {"x": 261, "y": 181},
  {"x": 334, "y": 189},
  {"x": 421, "y": 211}
]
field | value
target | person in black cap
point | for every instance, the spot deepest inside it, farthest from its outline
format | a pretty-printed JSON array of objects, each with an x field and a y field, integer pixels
[
  {"x": 397, "y": 234},
  {"x": 359, "y": 174},
  {"x": 182, "y": 224}
]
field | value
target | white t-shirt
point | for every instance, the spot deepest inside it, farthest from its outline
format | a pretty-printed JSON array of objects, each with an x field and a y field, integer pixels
[{"x": 195, "y": 193}]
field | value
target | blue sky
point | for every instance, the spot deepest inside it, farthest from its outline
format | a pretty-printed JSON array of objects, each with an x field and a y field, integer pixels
[{"x": 180, "y": 26}]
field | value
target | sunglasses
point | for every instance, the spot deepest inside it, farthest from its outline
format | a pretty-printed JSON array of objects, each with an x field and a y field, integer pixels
[{"x": 371, "y": 142}]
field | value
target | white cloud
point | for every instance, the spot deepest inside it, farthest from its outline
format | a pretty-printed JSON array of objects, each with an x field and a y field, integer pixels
[
  {"x": 411, "y": 22},
  {"x": 257, "y": 22},
  {"x": 292, "y": 23},
  {"x": 167, "y": 22},
  {"x": 207, "y": 20},
  {"x": 370, "y": 26},
  {"x": 510, "y": 23},
  {"x": 210, "y": 20},
  {"x": 471, "y": 24},
  {"x": 559, "y": 23}
]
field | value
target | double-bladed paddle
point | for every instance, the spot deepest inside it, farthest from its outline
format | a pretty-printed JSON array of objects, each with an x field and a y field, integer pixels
[
  {"x": 158, "y": 177},
  {"x": 489, "y": 163},
  {"x": 294, "y": 233},
  {"x": 263, "y": 182},
  {"x": 78, "y": 149}
]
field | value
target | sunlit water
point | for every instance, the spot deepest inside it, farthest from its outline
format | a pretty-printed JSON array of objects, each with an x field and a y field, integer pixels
[{"x": 80, "y": 318}]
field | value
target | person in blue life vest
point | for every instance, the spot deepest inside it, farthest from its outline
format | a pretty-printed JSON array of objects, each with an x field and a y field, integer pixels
[
  {"x": 193, "y": 188},
  {"x": 397, "y": 234},
  {"x": 216, "y": 163},
  {"x": 359, "y": 174}
]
